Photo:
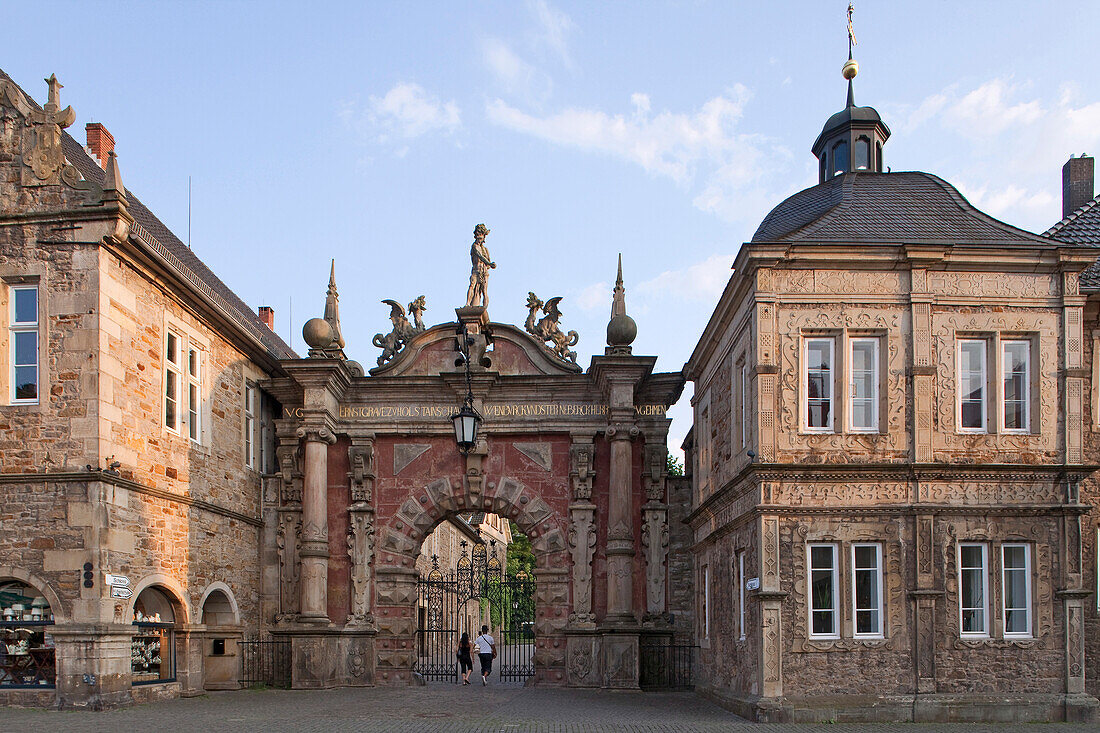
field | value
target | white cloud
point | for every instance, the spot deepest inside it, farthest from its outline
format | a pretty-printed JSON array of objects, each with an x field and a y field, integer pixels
[
  {"x": 1011, "y": 201},
  {"x": 702, "y": 281},
  {"x": 554, "y": 25},
  {"x": 681, "y": 146},
  {"x": 407, "y": 111},
  {"x": 986, "y": 110},
  {"x": 515, "y": 75},
  {"x": 594, "y": 297}
]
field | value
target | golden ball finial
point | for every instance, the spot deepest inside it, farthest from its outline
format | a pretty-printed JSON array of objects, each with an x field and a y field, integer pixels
[{"x": 850, "y": 69}]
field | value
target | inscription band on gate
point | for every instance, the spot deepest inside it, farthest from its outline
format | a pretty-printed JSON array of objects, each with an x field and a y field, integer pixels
[{"x": 443, "y": 412}]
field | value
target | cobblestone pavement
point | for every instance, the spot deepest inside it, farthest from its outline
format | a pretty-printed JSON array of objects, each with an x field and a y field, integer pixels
[{"x": 497, "y": 708}]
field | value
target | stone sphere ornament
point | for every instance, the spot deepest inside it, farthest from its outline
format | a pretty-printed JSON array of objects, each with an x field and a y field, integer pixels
[
  {"x": 621, "y": 330},
  {"x": 850, "y": 69},
  {"x": 317, "y": 333}
]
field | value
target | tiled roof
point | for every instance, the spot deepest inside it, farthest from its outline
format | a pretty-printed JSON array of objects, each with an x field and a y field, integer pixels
[
  {"x": 153, "y": 234},
  {"x": 886, "y": 208},
  {"x": 1082, "y": 227}
]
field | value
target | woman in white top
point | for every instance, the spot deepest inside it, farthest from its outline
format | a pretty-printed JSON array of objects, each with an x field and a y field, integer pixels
[{"x": 486, "y": 652}]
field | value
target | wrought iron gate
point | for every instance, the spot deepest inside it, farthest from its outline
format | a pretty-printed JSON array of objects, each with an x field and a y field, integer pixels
[
  {"x": 666, "y": 666},
  {"x": 265, "y": 662},
  {"x": 450, "y": 604}
]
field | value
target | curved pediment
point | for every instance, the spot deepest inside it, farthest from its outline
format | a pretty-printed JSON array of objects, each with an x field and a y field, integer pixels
[{"x": 512, "y": 351}]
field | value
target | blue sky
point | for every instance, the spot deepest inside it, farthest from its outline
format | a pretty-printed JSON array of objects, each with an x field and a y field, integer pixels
[{"x": 381, "y": 133}]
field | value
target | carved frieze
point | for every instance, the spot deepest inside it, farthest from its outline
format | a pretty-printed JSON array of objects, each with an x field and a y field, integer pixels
[
  {"x": 582, "y": 544},
  {"x": 360, "y": 541},
  {"x": 288, "y": 545},
  {"x": 655, "y": 544}
]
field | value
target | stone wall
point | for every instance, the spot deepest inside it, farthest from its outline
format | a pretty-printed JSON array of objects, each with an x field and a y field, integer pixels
[{"x": 681, "y": 589}]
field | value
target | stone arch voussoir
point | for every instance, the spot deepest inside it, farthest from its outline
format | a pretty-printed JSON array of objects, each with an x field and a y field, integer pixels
[{"x": 11, "y": 572}]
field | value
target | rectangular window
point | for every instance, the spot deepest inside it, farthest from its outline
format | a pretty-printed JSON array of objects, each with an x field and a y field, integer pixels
[
  {"x": 823, "y": 591},
  {"x": 867, "y": 589},
  {"x": 24, "y": 343},
  {"x": 1016, "y": 379},
  {"x": 1016, "y": 581},
  {"x": 250, "y": 425},
  {"x": 706, "y": 601},
  {"x": 972, "y": 386},
  {"x": 172, "y": 379},
  {"x": 194, "y": 394},
  {"x": 741, "y": 593},
  {"x": 863, "y": 393},
  {"x": 744, "y": 405},
  {"x": 973, "y": 589},
  {"x": 817, "y": 379}
]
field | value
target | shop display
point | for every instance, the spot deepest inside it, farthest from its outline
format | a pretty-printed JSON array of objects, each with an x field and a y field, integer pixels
[{"x": 26, "y": 647}]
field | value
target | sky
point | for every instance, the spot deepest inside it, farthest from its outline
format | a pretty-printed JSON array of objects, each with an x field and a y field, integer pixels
[{"x": 380, "y": 133}]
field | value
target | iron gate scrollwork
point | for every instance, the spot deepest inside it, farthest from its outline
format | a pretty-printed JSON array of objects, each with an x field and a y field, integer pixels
[{"x": 456, "y": 601}]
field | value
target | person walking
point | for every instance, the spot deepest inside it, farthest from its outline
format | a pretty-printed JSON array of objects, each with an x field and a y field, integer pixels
[
  {"x": 465, "y": 661},
  {"x": 487, "y": 652}
]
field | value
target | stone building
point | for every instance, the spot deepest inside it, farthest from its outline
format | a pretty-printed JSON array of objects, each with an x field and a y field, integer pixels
[
  {"x": 134, "y": 433},
  {"x": 891, "y": 436},
  {"x": 1080, "y": 225}
]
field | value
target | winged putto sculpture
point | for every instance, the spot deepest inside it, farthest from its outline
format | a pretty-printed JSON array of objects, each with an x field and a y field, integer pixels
[
  {"x": 547, "y": 328},
  {"x": 403, "y": 331}
]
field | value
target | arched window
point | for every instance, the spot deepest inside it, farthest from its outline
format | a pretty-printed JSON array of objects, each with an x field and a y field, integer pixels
[
  {"x": 863, "y": 154},
  {"x": 26, "y": 647},
  {"x": 152, "y": 647},
  {"x": 878, "y": 157},
  {"x": 840, "y": 157}
]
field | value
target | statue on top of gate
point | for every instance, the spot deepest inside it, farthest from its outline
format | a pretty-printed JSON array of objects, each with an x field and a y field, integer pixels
[
  {"x": 479, "y": 273},
  {"x": 547, "y": 327},
  {"x": 403, "y": 331}
]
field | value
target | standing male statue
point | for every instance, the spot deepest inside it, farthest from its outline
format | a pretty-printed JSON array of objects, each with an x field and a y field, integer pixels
[{"x": 479, "y": 274}]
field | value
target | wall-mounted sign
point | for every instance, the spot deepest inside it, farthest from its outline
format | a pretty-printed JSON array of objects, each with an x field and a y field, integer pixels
[
  {"x": 118, "y": 581},
  {"x": 118, "y": 591},
  {"x": 752, "y": 584}
]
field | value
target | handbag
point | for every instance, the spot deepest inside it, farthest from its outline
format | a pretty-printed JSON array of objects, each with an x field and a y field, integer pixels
[{"x": 477, "y": 649}]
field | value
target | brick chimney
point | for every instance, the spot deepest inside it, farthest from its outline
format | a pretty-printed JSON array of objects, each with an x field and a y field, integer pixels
[
  {"x": 1077, "y": 177},
  {"x": 100, "y": 142},
  {"x": 267, "y": 315}
]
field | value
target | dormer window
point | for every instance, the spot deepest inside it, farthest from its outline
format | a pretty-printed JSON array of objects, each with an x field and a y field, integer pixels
[
  {"x": 840, "y": 158},
  {"x": 863, "y": 154}
]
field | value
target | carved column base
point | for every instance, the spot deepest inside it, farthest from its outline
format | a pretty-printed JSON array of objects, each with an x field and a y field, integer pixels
[
  {"x": 619, "y": 660},
  {"x": 321, "y": 659}
]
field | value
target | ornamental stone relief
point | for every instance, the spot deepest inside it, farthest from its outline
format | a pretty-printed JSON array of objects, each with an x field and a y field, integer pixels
[
  {"x": 845, "y": 532},
  {"x": 1039, "y": 446},
  {"x": 839, "y": 282},
  {"x": 288, "y": 543},
  {"x": 1001, "y": 285},
  {"x": 1041, "y": 534},
  {"x": 841, "y": 446},
  {"x": 841, "y": 494}
]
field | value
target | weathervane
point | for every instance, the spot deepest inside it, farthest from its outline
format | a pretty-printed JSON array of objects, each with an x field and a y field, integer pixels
[
  {"x": 851, "y": 31},
  {"x": 851, "y": 68}
]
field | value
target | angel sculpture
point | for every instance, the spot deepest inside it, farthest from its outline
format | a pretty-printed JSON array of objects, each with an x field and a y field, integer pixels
[
  {"x": 403, "y": 331},
  {"x": 547, "y": 327}
]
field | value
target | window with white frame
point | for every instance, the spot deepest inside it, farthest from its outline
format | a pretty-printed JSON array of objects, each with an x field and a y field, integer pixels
[
  {"x": 1016, "y": 386},
  {"x": 194, "y": 394},
  {"x": 173, "y": 377},
  {"x": 744, "y": 405},
  {"x": 973, "y": 589},
  {"x": 23, "y": 328},
  {"x": 817, "y": 384},
  {"x": 1016, "y": 587},
  {"x": 863, "y": 389},
  {"x": 824, "y": 620},
  {"x": 741, "y": 594},
  {"x": 973, "y": 390},
  {"x": 251, "y": 409},
  {"x": 867, "y": 589}
]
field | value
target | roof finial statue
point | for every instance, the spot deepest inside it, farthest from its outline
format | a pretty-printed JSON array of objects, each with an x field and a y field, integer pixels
[
  {"x": 322, "y": 335},
  {"x": 621, "y": 329},
  {"x": 850, "y": 68},
  {"x": 332, "y": 308},
  {"x": 479, "y": 273}
]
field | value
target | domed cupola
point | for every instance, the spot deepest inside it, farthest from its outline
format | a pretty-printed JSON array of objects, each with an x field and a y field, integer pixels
[{"x": 852, "y": 139}]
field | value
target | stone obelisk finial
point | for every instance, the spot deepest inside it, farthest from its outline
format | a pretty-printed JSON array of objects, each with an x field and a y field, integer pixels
[
  {"x": 621, "y": 329},
  {"x": 332, "y": 308}
]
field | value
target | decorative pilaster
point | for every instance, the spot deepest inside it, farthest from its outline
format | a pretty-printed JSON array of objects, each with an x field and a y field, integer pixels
[
  {"x": 924, "y": 598},
  {"x": 620, "y": 526},
  {"x": 582, "y": 533},
  {"x": 361, "y": 551},
  {"x": 288, "y": 544},
  {"x": 655, "y": 529},
  {"x": 766, "y": 375},
  {"x": 923, "y": 368},
  {"x": 314, "y": 550},
  {"x": 771, "y": 602}
]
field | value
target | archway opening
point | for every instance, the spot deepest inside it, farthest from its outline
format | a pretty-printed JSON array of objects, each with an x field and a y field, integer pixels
[
  {"x": 475, "y": 595},
  {"x": 153, "y": 644},
  {"x": 26, "y": 647}
]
